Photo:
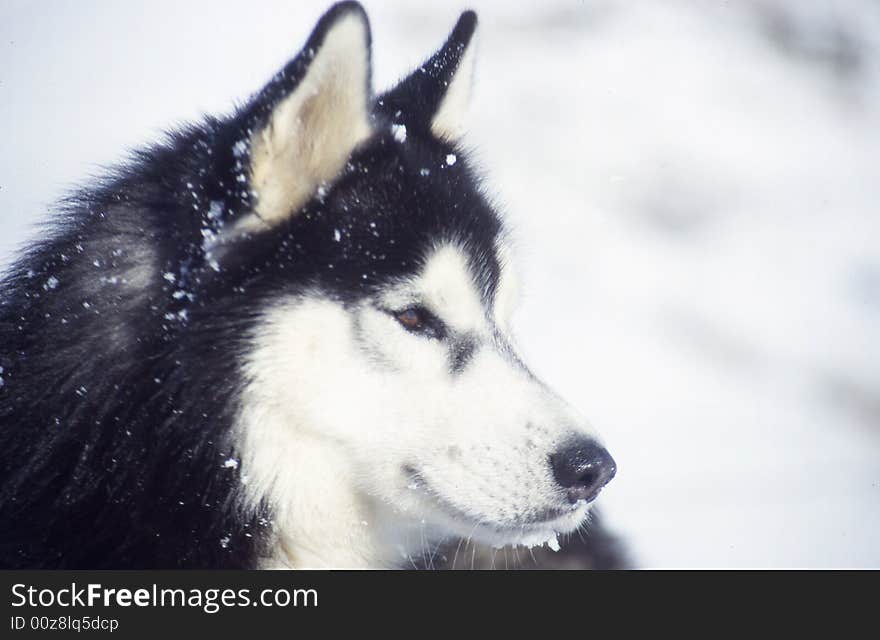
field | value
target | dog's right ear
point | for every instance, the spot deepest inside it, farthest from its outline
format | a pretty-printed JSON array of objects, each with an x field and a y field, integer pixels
[{"x": 310, "y": 117}]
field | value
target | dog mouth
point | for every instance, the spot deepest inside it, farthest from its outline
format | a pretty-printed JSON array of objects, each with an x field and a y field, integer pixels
[{"x": 539, "y": 528}]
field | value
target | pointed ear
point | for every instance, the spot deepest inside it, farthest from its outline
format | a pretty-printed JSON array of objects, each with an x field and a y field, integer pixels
[
  {"x": 435, "y": 97},
  {"x": 311, "y": 117}
]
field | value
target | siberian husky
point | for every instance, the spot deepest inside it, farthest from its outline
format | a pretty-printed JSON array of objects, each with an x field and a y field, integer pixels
[{"x": 280, "y": 339}]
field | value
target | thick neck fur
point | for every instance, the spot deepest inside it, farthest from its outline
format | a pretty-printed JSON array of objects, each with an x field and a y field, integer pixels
[
  {"x": 320, "y": 518},
  {"x": 298, "y": 374}
]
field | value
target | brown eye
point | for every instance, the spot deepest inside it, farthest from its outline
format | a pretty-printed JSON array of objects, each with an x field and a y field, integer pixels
[
  {"x": 419, "y": 320},
  {"x": 410, "y": 318}
]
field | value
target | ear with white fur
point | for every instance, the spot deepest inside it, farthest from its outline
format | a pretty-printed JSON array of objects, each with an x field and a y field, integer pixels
[
  {"x": 311, "y": 117},
  {"x": 436, "y": 96}
]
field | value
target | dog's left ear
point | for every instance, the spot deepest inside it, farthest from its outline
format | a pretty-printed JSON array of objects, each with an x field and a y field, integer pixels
[
  {"x": 311, "y": 117},
  {"x": 435, "y": 96}
]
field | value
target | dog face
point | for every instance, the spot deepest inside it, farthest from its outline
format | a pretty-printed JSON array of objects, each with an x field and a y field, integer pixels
[{"x": 383, "y": 387}]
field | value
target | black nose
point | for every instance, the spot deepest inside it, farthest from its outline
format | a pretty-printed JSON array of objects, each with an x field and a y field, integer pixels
[{"x": 582, "y": 467}]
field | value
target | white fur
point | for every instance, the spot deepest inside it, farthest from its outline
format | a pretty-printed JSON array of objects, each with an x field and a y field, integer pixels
[
  {"x": 445, "y": 286},
  {"x": 367, "y": 446},
  {"x": 312, "y": 132},
  {"x": 507, "y": 292}
]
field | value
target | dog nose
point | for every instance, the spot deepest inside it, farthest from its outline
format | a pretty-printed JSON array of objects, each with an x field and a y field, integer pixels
[{"x": 582, "y": 467}]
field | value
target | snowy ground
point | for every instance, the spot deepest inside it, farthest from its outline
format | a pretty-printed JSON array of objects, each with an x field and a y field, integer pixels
[{"x": 694, "y": 188}]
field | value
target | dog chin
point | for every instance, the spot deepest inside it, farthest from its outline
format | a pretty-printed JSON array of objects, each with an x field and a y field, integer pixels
[{"x": 534, "y": 533}]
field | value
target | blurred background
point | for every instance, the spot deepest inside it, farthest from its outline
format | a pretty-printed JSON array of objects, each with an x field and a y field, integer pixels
[{"x": 693, "y": 189}]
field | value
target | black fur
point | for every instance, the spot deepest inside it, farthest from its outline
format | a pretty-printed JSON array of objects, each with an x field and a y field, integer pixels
[
  {"x": 123, "y": 330},
  {"x": 413, "y": 101}
]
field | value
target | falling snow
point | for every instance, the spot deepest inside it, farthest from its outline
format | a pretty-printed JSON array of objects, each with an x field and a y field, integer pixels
[
  {"x": 215, "y": 210},
  {"x": 399, "y": 132},
  {"x": 240, "y": 148}
]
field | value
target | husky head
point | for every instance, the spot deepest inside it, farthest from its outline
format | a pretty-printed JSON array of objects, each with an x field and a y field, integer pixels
[{"x": 384, "y": 403}]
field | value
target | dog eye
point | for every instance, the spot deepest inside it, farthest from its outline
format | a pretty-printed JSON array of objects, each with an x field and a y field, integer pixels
[{"x": 420, "y": 320}]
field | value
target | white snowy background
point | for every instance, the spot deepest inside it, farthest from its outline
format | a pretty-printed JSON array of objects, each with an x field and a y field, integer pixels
[{"x": 694, "y": 189}]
